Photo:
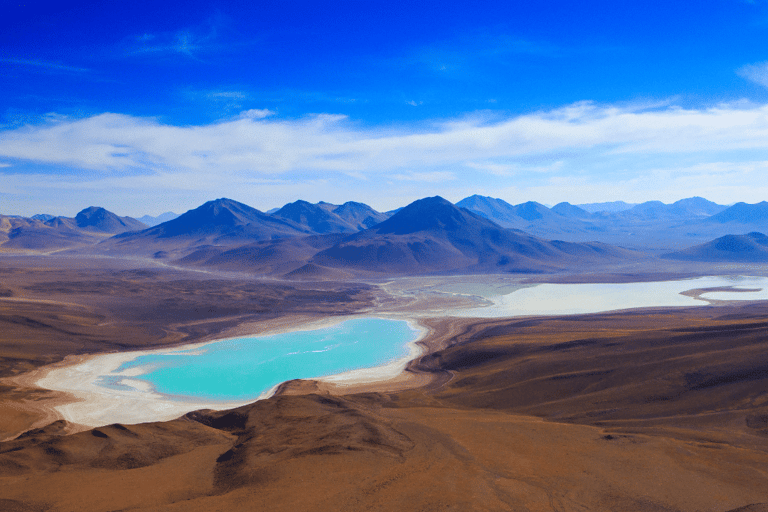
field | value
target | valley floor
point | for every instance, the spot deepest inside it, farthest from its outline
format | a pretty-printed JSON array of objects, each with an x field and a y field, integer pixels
[{"x": 642, "y": 410}]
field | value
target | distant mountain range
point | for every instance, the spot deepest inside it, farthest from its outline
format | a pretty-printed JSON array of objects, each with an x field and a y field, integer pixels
[
  {"x": 154, "y": 221},
  {"x": 651, "y": 226},
  {"x": 478, "y": 234},
  {"x": 428, "y": 236},
  {"x": 46, "y": 232},
  {"x": 323, "y": 218},
  {"x": 434, "y": 236}
]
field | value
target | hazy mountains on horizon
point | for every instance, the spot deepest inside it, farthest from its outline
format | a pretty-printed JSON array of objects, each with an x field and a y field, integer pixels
[
  {"x": 48, "y": 232},
  {"x": 434, "y": 235},
  {"x": 478, "y": 234},
  {"x": 651, "y": 226},
  {"x": 159, "y": 219},
  {"x": 324, "y": 218},
  {"x": 428, "y": 236}
]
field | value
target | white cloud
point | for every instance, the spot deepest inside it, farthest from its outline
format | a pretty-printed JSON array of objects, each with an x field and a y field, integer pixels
[
  {"x": 256, "y": 113},
  {"x": 604, "y": 152},
  {"x": 757, "y": 73},
  {"x": 226, "y": 95}
]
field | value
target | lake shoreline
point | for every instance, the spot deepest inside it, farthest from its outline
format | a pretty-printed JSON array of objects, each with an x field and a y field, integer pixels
[{"x": 85, "y": 404}]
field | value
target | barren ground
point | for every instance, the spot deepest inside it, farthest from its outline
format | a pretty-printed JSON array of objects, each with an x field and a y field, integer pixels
[{"x": 655, "y": 410}]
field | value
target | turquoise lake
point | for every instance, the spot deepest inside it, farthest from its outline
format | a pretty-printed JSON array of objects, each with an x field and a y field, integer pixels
[{"x": 244, "y": 368}]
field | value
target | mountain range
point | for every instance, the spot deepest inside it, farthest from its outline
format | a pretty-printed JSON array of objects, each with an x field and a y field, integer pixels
[
  {"x": 47, "y": 232},
  {"x": 432, "y": 235},
  {"x": 652, "y": 226},
  {"x": 476, "y": 235},
  {"x": 302, "y": 240}
]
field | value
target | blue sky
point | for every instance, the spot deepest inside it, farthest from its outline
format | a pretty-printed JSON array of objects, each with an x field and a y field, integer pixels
[{"x": 144, "y": 107}]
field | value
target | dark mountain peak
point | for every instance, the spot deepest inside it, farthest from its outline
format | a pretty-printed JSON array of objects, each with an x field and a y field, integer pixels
[
  {"x": 60, "y": 222},
  {"x": 220, "y": 212},
  {"x": 649, "y": 205},
  {"x": 359, "y": 215},
  {"x": 695, "y": 206},
  {"x": 693, "y": 201},
  {"x": 649, "y": 210},
  {"x": 88, "y": 216},
  {"x": 734, "y": 243},
  {"x": 298, "y": 207},
  {"x": 759, "y": 238},
  {"x": 568, "y": 210},
  {"x": 607, "y": 207},
  {"x": 429, "y": 214},
  {"x": 476, "y": 200},
  {"x": 531, "y": 210},
  {"x": 482, "y": 202},
  {"x": 154, "y": 221},
  {"x": 316, "y": 217},
  {"x": 99, "y": 219},
  {"x": 352, "y": 206},
  {"x": 504, "y": 214},
  {"x": 743, "y": 213},
  {"x": 491, "y": 208},
  {"x": 217, "y": 216},
  {"x": 330, "y": 207},
  {"x": 223, "y": 222}
]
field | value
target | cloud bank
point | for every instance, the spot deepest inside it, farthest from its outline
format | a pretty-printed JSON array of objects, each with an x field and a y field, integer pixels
[{"x": 562, "y": 154}]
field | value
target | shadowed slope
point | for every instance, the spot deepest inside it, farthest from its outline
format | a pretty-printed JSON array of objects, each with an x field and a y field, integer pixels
[
  {"x": 314, "y": 218},
  {"x": 270, "y": 257},
  {"x": 46, "y": 232},
  {"x": 743, "y": 213},
  {"x": 32, "y": 234},
  {"x": 359, "y": 215},
  {"x": 625, "y": 371},
  {"x": 752, "y": 248},
  {"x": 95, "y": 218}
]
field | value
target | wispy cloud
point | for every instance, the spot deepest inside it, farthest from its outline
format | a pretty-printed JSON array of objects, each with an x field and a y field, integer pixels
[
  {"x": 757, "y": 73},
  {"x": 191, "y": 42},
  {"x": 182, "y": 42},
  {"x": 478, "y": 49},
  {"x": 44, "y": 66}
]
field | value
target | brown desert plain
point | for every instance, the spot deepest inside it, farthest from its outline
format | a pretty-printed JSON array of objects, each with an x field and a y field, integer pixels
[{"x": 660, "y": 409}]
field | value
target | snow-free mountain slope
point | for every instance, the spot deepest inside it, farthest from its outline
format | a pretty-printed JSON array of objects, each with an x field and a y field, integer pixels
[{"x": 433, "y": 235}]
